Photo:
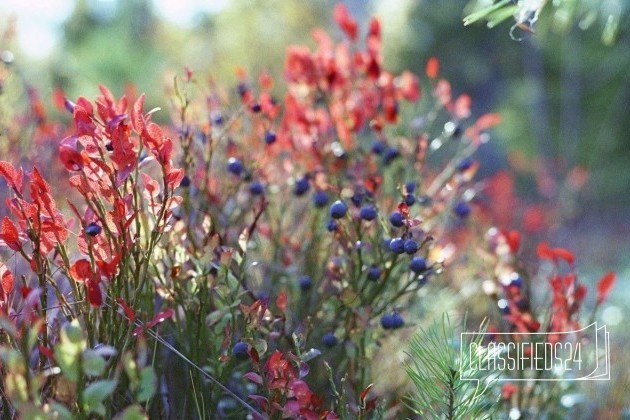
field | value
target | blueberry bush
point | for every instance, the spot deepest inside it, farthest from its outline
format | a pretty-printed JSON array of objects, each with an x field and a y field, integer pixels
[{"x": 257, "y": 255}]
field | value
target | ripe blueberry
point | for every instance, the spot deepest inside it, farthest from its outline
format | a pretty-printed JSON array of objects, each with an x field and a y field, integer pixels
[
  {"x": 387, "y": 321},
  {"x": 410, "y": 199},
  {"x": 320, "y": 198},
  {"x": 411, "y": 246},
  {"x": 397, "y": 245},
  {"x": 373, "y": 273},
  {"x": 329, "y": 339},
  {"x": 305, "y": 283},
  {"x": 185, "y": 183},
  {"x": 464, "y": 164},
  {"x": 397, "y": 320},
  {"x": 302, "y": 185},
  {"x": 255, "y": 107},
  {"x": 368, "y": 212},
  {"x": 418, "y": 265},
  {"x": 240, "y": 350},
  {"x": 338, "y": 209},
  {"x": 410, "y": 187},
  {"x": 397, "y": 219},
  {"x": 270, "y": 137},
  {"x": 93, "y": 229},
  {"x": 235, "y": 166},
  {"x": 256, "y": 188},
  {"x": 378, "y": 147},
  {"x": 390, "y": 154},
  {"x": 461, "y": 209},
  {"x": 332, "y": 226}
]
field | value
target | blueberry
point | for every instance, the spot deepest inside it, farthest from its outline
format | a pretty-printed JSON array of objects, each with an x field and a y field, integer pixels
[
  {"x": 255, "y": 107},
  {"x": 320, "y": 198},
  {"x": 305, "y": 283},
  {"x": 397, "y": 245},
  {"x": 93, "y": 229},
  {"x": 240, "y": 350},
  {"x": 410, "y": 199},
  {"x": 390, "y": 154},
  {"x": 397, "y": 219},
  {"x": 378, "y": 147},
  {"x": 411, "y": 246},
  {"x": 516, "y": 281},
  {"x": 256, "y": 188},
  {"x": 464, "y": 164},
  {"x": 235, "y": 166},
  {"x": 216, "y": 117},
  {"x": 185, "y": 182},
  {"x": 368, "y": 212},
  {"x": 462, "y": 209},
  {"x": 332, "y": 226},
  {"x": 504, "y": 306},
  {"x": 109, "y": 147},
  {"x": 387, "y": 321},
  {"x": 270, "y": 137},
  {"x": 418, "y": 265},
  {"x": 373, "y": 273},
  {"x": 301, "y": 186},
  {"x": 242, "y": 89},
  {"x": 329, "y": 339},
  {"x": 522, "y": 304},
  {"x": 357, "y": 198},
  {"x": 397, "y": 321},
  {"x": 338, "y": 209},
  {"x": 410, "y": 187}
]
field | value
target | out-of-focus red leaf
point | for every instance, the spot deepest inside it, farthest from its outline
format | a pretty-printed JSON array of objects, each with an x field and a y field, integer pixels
[
  {"x": 345, "y": 21},
  {"x": 604, "y": 285},
  {"x": 545, "y": 252},
  {"x": 281, "y": 301},
  {"x": 433, "y": 68},
  {"x": 564, "y": 254},
  {"x": 513, "y": 238}
]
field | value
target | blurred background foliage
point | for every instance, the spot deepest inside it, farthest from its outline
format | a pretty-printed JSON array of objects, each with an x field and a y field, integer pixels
[{"x": 562, "y": 92}]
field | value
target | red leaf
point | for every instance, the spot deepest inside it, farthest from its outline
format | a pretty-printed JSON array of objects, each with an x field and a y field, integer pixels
[
  {"x": 81, "y": 270},
  {"x": 365, "y": 392},
  {"x": 160, "y": 317},
  {"x": 129, "y": 313},
  {"x": 545, "y": 252},
  {"x": 254, "y": 377},
  {"x": 564, "y": 254},
  {"x": 94, "y": 295},
  {"x": 137, "y": 117},
  {"x": 281, "y": 301},
  {"x": 9, "y": 234},
  {"x": 345, "y": 21},
  {"x": 433, "y": 68},
  {"x": 513, "y": 239},
  {"x": 604, "y": 285},
  {"x": 7, "y": 280}
]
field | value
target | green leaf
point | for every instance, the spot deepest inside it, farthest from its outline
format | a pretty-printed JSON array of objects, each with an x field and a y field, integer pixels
[
  {"x": 58, "y": 411},
  {"x": 93, "y": 363},
  {"x": 148, "y": 383},
  {"x": 95, "y": 394},
  {"x": 133, "y": 412}
]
